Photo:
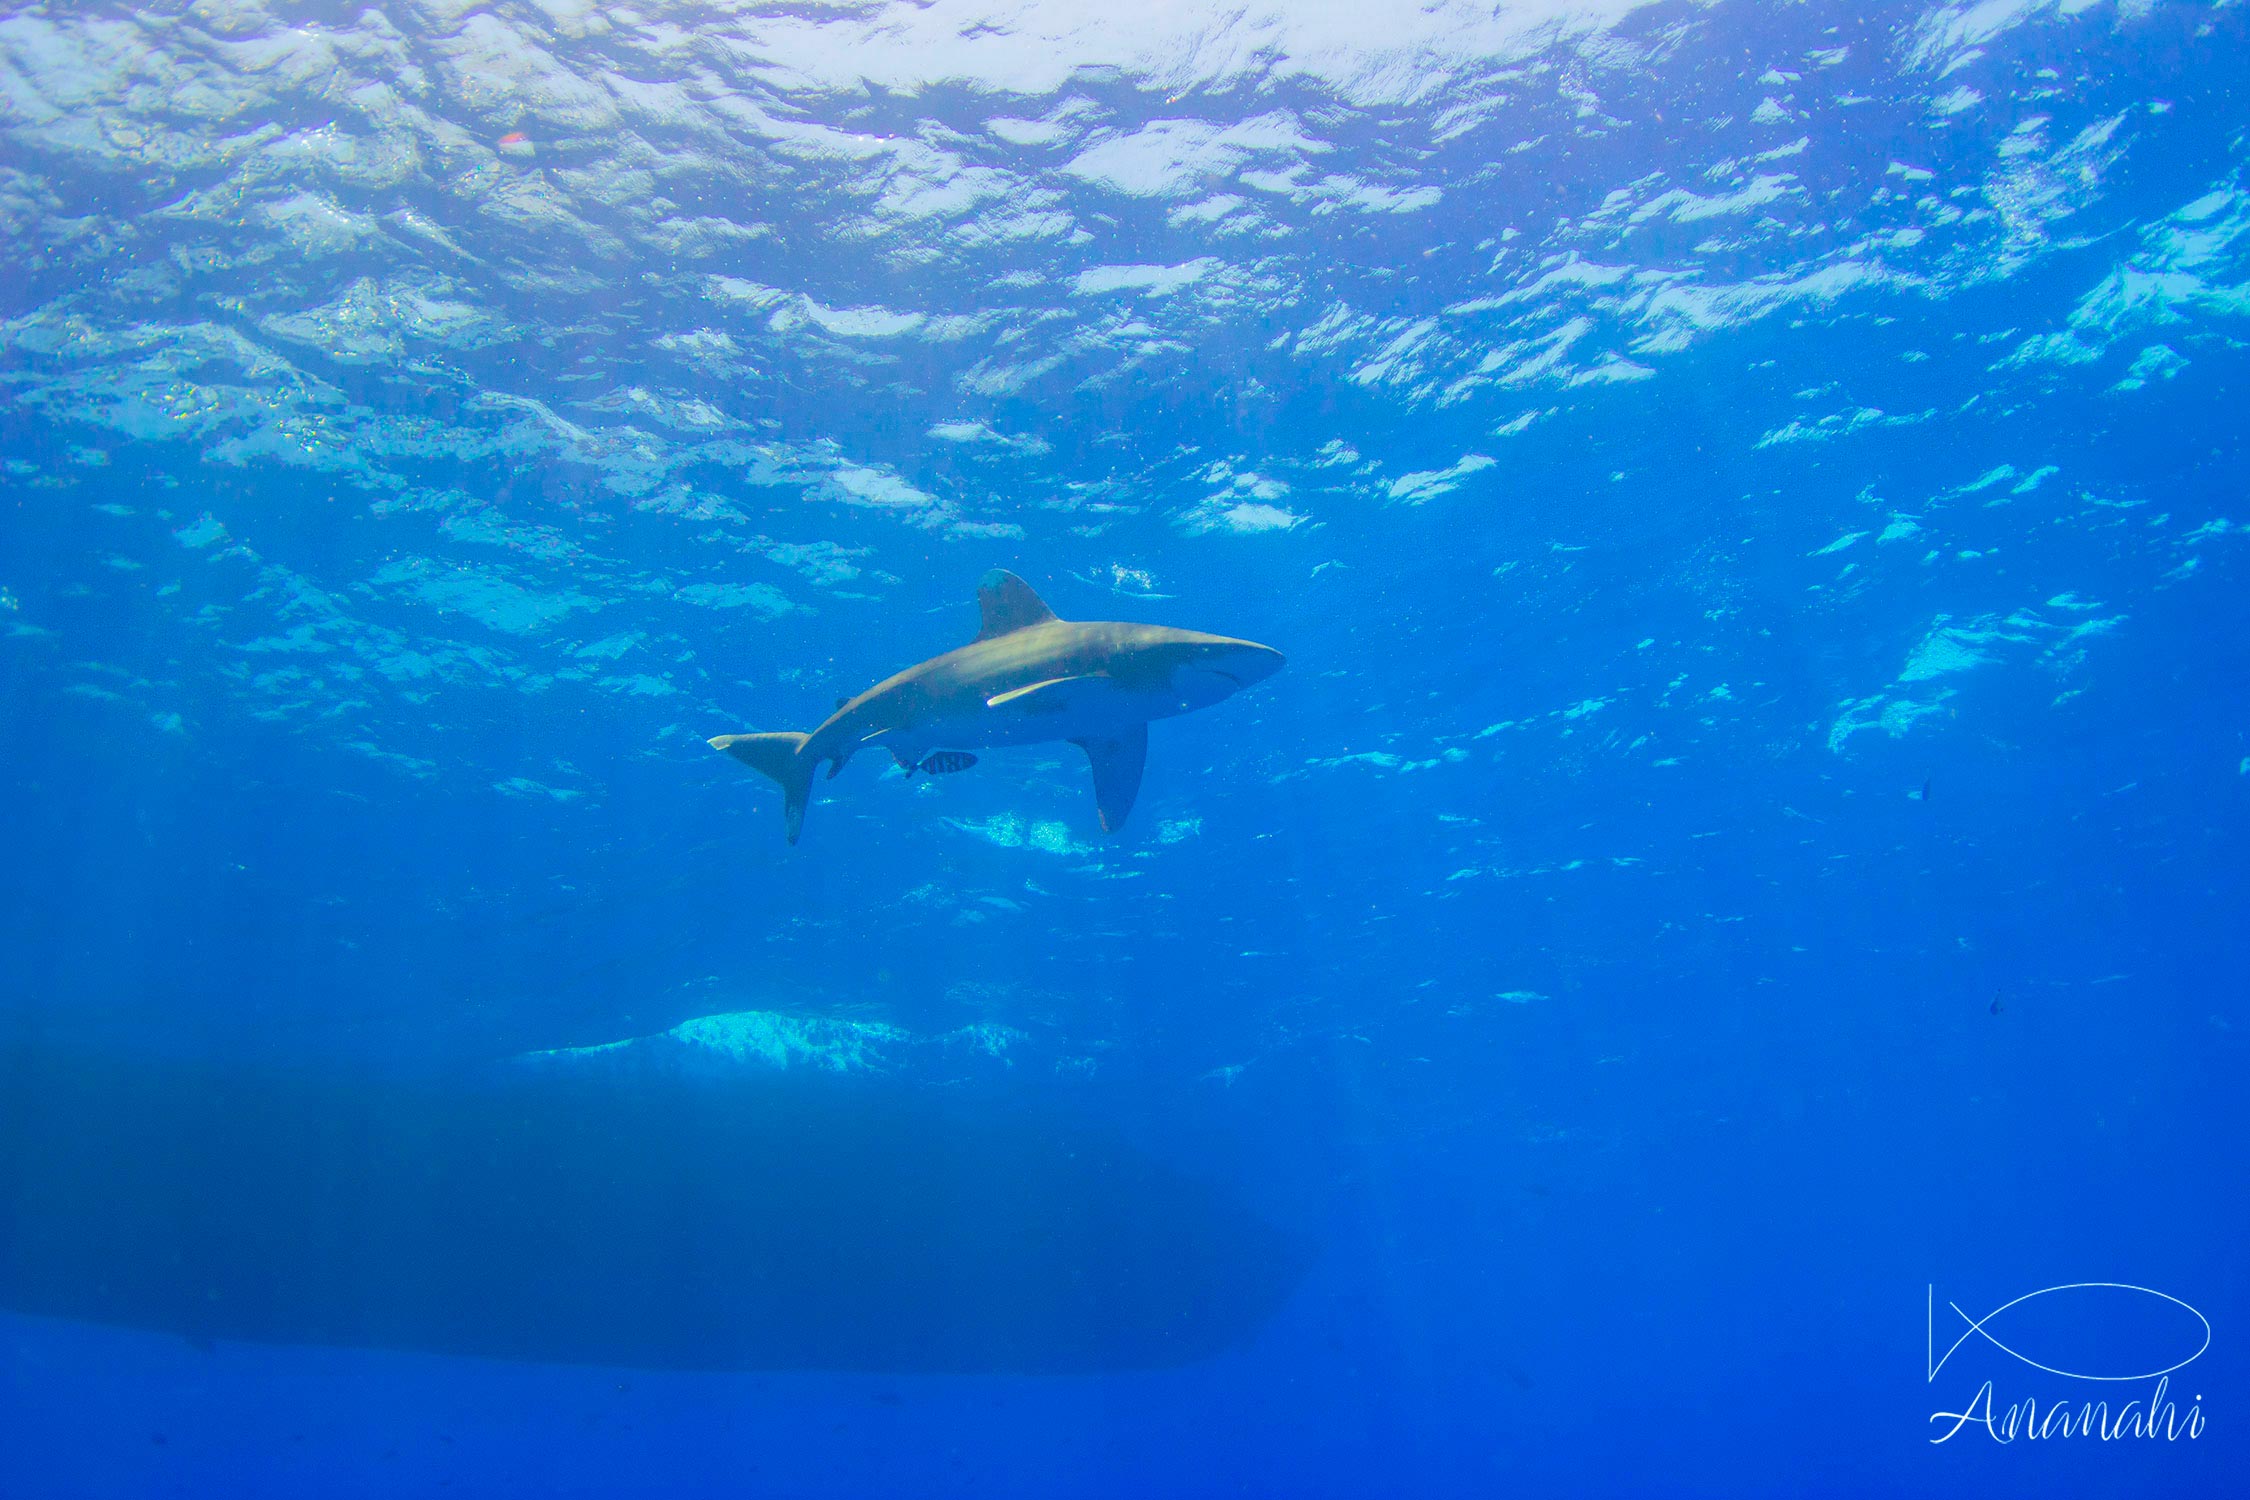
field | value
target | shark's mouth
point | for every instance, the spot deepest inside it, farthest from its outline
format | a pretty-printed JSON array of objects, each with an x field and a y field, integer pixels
[{"x": 1196, "y": 685}]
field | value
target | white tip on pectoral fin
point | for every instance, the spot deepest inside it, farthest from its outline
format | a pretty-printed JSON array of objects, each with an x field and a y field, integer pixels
[
  {"x": 1055, "y": 695},
  {"x": 1117, "y": 764}
]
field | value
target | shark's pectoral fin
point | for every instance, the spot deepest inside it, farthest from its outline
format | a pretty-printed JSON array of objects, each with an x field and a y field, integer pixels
[
  {"x": 1117, "y": 767},
  {"x": 1054, "y": 696}
]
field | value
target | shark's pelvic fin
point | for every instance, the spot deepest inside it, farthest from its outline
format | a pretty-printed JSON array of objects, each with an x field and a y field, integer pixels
[
  {"x": 776, "y": 755},
  {"x": 1117, "y": 767},
  {"x": 1054, "y": 695},
  {"x": 1007, "y": 603}
]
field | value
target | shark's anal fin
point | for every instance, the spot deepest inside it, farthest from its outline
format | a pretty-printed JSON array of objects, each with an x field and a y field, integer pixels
[
  {"x": 1117, "y": 767},
  {"x": 1006, "y": 603},
  {"x": 1054, "y": 695}
]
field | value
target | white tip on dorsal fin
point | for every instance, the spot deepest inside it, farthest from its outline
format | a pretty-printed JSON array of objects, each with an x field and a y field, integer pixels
[{"x": 1007, "y": 603}]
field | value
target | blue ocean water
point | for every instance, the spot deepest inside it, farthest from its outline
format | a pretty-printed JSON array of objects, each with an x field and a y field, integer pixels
[{"x": 1724, "y": 945}]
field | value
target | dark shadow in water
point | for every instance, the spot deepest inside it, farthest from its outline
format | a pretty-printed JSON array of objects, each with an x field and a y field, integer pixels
[{"x": 801, "y": 1222}]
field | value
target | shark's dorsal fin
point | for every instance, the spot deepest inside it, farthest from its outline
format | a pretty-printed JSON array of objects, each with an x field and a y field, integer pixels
[
  {"x": 1008, "y": 603},
  {"x": 1117, "y": 773}
]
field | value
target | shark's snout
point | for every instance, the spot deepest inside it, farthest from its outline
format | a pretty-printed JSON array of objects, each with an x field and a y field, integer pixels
[
  {"x": 1240, "y": 662},
  {"x": 1253, "y": 663},
  {"x": 1218, "y": 668}
]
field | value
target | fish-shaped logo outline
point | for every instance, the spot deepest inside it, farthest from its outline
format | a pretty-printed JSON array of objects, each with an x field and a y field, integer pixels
[{"x": 1978, "y": 1326}]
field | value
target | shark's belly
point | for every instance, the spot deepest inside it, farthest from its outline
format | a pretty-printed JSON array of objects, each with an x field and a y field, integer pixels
[
  {"x": 1090, "y": 716},
  {"x": 989, "y": 730}
]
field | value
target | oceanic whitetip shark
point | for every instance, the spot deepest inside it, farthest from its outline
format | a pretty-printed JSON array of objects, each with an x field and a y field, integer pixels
[{"x": 1026, "y": 679}]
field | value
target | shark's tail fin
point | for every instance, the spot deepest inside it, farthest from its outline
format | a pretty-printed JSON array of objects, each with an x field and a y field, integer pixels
[{"x": 777, "y": 756}]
